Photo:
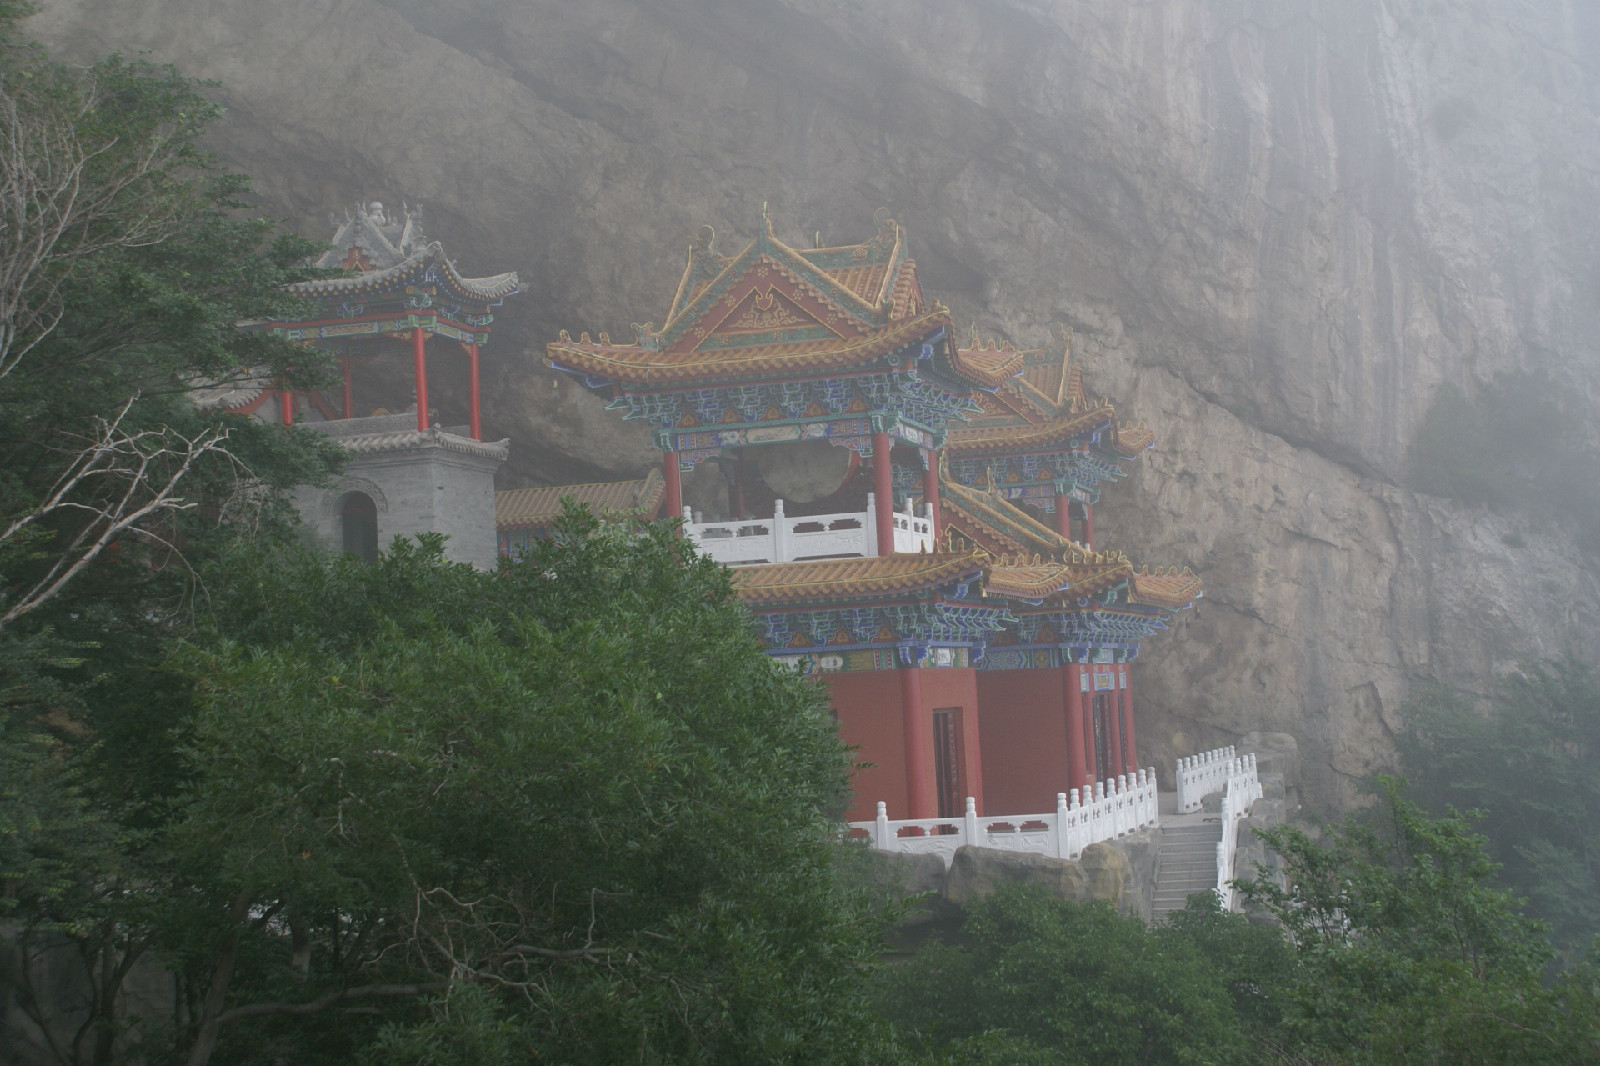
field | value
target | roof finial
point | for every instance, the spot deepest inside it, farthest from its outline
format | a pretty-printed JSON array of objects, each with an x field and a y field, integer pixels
[{"x": 766, "y": 219}]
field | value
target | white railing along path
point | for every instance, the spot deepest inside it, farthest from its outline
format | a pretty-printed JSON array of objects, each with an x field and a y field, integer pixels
[
  {"x": 1112, "y": 809},
  {"x": 781, "y": 539},
  {"x": 1201, "y": 775},
  {"x": 1240, "y": 789}
]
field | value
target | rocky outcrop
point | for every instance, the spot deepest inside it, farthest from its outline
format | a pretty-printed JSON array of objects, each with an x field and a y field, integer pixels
[
  {"x": 1276, "y": 226},
  {"x": 1121, "y": 872}
]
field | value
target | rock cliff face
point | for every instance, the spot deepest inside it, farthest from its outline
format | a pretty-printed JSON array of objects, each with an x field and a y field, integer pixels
[{"x": 1277, "y": 226}]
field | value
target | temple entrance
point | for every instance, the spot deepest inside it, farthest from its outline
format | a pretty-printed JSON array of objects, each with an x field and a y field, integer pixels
[
  {"x": 947, "y": 777},
  {"x": 1105, "y": 720},
  {"x": 358, "y": 522}
]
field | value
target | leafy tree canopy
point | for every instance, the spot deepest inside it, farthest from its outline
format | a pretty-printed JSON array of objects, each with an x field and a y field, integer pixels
[
  {"x": 1408, "y": 955},
  {"x": 571, "y": 800},
  {"x": 1035, "y": 979},
  {"x": 1528, "y": 761}
]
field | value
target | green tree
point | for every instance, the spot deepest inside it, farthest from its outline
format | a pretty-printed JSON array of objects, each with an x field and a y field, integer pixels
[
  {"x": 572, "y": 801},
  {"x": 126, "y": 262},
  {"x": 127, "y": 257},
  {"x": 1408, "y": 955},
  {"x": 1035, "y": 979},
  {"x": 1528, "y": 760}
]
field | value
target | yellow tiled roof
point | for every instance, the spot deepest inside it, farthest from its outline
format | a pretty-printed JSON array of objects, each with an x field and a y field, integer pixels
[
  {"x": 827, "y": 579},
  {"x": 542, "y": 505}
]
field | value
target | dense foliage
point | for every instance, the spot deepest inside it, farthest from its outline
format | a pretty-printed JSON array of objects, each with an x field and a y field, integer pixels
[
  {"x": 1037, "y": 980},
  {"x": 576, "y": 785},
  {"x": 1528, "y": 761},
  {"x": 1386, "y": 944},
  {"x": 1407, "y": 953}
]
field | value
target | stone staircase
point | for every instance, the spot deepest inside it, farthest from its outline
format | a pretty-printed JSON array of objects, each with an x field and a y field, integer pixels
[{"x": 1188, "y": 861}]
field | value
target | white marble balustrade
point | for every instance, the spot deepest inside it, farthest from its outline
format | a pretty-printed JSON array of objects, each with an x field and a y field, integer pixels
[
  {"x": 781, "y": 539},
  {"x": 1112, "y": 809},
  {"x": 1240, "y": 789},
  {"x": 1201, "y": 775}
]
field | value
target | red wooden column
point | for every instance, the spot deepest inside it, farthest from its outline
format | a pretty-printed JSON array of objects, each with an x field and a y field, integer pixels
[
  {"x": 883, "y": 490},
  {"x": 286, "y": 407},
  {"x": 349, "y": 405},
  {"x": 1131, "y": 755},
  {"x": 930, "y": 490},
  {"x": 419, "y": 368},
  {"x": 1088, "y": 526},
  {"x": 920, "y": 797},
  {"x": 1064, "y": 515},
  {"x": 474, "y": 423},
  {"x": 1072, "y": 702},
  {"x": 669, "y": 470}
]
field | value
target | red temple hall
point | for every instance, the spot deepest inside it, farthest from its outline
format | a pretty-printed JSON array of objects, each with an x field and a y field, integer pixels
[{"x": 911, "y": 519}]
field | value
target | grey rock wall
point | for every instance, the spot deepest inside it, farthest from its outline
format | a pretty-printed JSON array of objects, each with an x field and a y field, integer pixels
[{"x": 1277, "y": 226}]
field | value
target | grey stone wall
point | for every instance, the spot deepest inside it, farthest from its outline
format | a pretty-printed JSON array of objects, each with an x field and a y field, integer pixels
[{"x": 439, "y": 482}]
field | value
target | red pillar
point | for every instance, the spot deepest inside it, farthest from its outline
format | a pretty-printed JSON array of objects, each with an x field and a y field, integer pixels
[
  {"x": 930, "y": 490},
  {"x": 1088, "y": 526},
  {"x": 349, "y": 405},
  {"x": 669, "y": 469},
  {"x": 419, "y": 368},
  {"x": 883, "y": 489},
  {"x": 920, "y": 797},
  {"x": 286, "y": 407},
  {"x": 474, "y": 424},
  {"x": 1072, "y": 701},
  {"x": 1064, "y": 515},
  {"x": 1132, "y": 752}
]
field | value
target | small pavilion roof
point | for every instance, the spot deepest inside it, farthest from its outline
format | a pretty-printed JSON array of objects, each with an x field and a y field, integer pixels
[
  {"x": 1009, "y": 436},
  {"x": 428, "y": 264},
  {"x": 1042, "y": 408},
  {"x": 983, "y": 516},
  {"x": 541, "y": 505}
]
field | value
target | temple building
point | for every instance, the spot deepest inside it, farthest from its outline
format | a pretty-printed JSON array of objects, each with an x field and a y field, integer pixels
[
  {"x": 407, "y": 473},
  {"x": 900, "y": 509}
]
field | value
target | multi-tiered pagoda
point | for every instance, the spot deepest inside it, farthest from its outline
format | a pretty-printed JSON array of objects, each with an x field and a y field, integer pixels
[
  {"x": 407, "y": 473},
  {"x": 969, "y": 647}
]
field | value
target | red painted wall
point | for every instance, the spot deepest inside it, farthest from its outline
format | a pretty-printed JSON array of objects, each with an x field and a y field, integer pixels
[
  {"x": 1024, "y": 739},
  {"x": 868, "y": 706}
]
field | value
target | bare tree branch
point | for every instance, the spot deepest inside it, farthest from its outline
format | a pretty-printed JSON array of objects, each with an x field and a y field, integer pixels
[
  {"x": 117, "y": 482},
  {"x": 64, "y": 197}
]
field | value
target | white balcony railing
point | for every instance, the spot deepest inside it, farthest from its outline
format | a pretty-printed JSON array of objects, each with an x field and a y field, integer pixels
[
  {"x": 1240, "y": 789},
  {"x": 1114, "y": 809},
  {"x": 781, "y": 539},
  {"x": 1201, "y": 775}
]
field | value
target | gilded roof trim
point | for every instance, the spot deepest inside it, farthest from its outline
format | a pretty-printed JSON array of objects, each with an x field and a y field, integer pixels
[
  {"x": 638, "y": 366},
  {"x": 854, "y": 579}
]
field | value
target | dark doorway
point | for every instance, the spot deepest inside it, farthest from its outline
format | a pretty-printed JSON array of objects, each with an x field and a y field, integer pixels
[
  {"x": 947, "y": 776},
  {"x": 1104, "y": 722},
  {"x": 358, "y": 519}
]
